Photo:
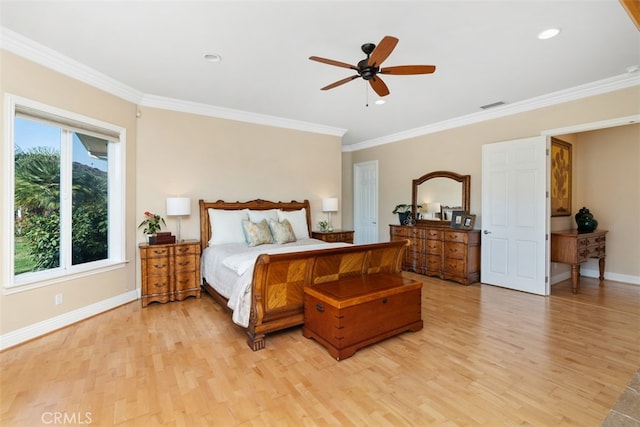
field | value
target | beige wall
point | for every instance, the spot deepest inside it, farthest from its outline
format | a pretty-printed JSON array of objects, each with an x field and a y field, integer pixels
[
  {"x": 460, "y": 150},
  {"x": 29, "y": 80},
  {"x": 215, "y": 159}
]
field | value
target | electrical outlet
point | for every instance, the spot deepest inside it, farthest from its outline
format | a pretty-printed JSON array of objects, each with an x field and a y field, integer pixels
[{"x": 58, "y": 299}]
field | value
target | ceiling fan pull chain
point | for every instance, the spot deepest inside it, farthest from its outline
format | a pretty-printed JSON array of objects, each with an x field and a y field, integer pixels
[{"x": 366, "y": 94}]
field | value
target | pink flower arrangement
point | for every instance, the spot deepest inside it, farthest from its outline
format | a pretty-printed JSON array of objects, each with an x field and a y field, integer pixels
[{"x": 151, "y": 223}]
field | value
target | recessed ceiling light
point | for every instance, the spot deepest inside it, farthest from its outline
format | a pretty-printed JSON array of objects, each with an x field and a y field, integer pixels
[
  {"x": 549, "y": 33},
  {"x": 212, "y": 57},
  {"x": 380, "y": 101}
]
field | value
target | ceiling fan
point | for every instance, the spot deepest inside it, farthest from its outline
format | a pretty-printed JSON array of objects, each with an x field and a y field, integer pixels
[{"x": 369, "y": 68}]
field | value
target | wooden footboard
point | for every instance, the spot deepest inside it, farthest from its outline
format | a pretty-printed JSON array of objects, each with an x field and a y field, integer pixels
[{"x": 279, "y": 281}]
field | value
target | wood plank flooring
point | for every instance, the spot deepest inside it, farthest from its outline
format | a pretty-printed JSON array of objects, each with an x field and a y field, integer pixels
[{"x": 487, "y": 356}]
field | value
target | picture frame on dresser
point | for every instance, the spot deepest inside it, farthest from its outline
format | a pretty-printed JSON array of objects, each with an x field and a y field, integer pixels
[
  {"x": 468, "y": 220},
  {"x": 457, "y": 219}
]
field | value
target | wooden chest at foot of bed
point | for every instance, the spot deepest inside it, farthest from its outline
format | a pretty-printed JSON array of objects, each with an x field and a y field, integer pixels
[{"x": 351, "y": 313}]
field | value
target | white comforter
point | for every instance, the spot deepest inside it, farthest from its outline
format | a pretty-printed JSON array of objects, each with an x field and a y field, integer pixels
[{"x": 228, "y": 268}]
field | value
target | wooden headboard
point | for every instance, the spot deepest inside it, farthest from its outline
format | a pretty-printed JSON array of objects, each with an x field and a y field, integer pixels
[{"x": 258, "y": 204}]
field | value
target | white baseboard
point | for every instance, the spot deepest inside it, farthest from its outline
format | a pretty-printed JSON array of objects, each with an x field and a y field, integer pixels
[
  {"x": 37, "y": 329},
  {"x": 624, "y": 278}
]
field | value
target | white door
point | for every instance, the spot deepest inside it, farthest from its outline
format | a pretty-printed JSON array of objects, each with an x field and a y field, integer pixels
[
  {"x": 515, "y": 212},
  {"x": 365, "y": 202}
]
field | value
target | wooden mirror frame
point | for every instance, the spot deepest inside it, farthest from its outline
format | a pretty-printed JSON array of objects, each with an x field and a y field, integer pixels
[{"x": 465, "y": 180}]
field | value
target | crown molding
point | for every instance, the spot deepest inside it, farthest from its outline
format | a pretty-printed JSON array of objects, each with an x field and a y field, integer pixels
[
  {"x": 27, "y": 48},
  {"x": 238, "y": 115},
  {"x": 622, "y": 81}
]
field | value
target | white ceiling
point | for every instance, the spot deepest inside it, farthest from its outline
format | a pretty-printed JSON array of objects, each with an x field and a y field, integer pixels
[{"x": 485, "y": 51}]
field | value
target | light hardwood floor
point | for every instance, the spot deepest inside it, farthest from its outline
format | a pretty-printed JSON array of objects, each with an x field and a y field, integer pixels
[{"x": 486, "y": 356}]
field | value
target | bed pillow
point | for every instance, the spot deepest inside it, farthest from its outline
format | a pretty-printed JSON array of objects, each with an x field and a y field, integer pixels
[
  {"x": 257, "y": 216},
  {"x": 256, "y": 233},
  {"x": 298, "y": 221},
  {"x": 282, "y": 231},
  {"x": 226, "y": 226}
]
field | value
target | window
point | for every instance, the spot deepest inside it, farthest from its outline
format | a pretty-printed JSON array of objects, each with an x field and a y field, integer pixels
[{"x": 65, "y": 192}]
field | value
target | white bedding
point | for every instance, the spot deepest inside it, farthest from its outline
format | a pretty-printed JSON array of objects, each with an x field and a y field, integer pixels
[{"x": 228, "y": 268}]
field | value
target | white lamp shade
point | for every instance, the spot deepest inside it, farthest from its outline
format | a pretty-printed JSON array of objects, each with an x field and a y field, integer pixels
[
  {"x": 330, "y": 205},
  {"x": 178, "y": 206}
]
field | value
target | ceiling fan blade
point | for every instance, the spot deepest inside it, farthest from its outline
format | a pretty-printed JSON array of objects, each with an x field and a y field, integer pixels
[
  {"x": 382, "y": 51},
  {"x": 340, "y": 82},
  {"x": 408, "y": 69},
  {"x": 332, "y": 62},
  {"x": 378, "y": 86}
]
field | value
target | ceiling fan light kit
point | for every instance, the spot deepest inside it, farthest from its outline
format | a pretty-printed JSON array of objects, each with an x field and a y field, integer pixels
[{"x": 369, "y": 68}]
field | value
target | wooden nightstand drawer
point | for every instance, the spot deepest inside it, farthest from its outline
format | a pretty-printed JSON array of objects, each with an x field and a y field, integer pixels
[
  {"x": 454, "y": 236},
  {"x": 185, "y": 263},
  {"x": 158, "y": 267},
  {"x": 158, "y": 285}
]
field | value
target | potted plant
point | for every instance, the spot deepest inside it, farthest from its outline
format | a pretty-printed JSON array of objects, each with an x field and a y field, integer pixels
[
  {"x": 404, "y": 213},
  {"x": 151, "y": 224}
]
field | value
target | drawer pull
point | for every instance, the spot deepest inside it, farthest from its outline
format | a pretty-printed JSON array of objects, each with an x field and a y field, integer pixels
[
  {"x": 160, "y": 285},
  {"x": 384, "y": 300},
  {"x": 159, "y": 251},
  {"x": 159, "y": 265},
  {"x": 182, "y": 264},
  {"x": 183, "y": 250},
  {"x": 320, "y": 307}
]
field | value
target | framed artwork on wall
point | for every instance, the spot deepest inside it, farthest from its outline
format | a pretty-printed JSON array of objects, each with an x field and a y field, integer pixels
[{"x": 560, "y": 178}]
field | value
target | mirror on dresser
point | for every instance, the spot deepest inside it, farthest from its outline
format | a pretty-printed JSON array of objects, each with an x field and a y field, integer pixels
[{"x": 438, "y": 193}]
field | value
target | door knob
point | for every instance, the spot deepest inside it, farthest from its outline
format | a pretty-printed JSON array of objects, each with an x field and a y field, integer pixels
[{"x": 487, "y": 232}]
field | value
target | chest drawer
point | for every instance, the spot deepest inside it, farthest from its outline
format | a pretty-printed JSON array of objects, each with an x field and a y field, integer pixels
[
  {"x": 455, "y": 236},
  {"x": 185, "y": 263},
  {"x": 158, "y": 266},
  {"x": 454, "y": 250}
]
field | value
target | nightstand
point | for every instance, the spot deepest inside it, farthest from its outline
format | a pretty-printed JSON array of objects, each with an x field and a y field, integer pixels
[
  {"x": 334, "y": 236},
  {"x": 170, "y": 272}
]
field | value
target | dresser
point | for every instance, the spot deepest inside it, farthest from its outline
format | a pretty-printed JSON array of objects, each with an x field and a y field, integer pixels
[
  {"x": 571, "y": 247},
  {"x": 450, "y": 254},
  {"x": 334, "y": 236},
  {"x": 170, "y": 272}
]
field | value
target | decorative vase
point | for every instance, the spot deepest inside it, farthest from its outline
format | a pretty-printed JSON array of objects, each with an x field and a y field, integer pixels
[
  {"x": 585, "y": 220},
  {"x": 404, "y": 218}
]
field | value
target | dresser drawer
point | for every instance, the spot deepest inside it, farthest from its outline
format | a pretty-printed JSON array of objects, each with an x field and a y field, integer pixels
[
  {"x": 433, "y": 247},
  {"x": 434, "y": 234},
  {"x": 456, "y": 236},
  {"x": 454, "y": 250},
  {"x": 454, "y": 267},
  {"x": 434, "y": 263}
]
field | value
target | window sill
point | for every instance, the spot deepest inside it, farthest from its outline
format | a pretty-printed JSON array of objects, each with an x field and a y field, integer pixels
[{"x": 52, "y": 279}]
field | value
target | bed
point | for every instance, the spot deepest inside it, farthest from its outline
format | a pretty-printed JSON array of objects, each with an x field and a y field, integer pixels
[{"x": 262, "y": 283}]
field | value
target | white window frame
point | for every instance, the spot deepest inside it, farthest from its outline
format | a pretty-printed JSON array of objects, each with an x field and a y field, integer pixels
[{"x": 116, "y": 209}]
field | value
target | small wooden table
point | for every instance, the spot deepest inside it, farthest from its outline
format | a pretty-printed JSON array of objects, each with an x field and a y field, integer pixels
[
  {"x": 348, "y": 314},
  {"x": 572, "y": 247}
]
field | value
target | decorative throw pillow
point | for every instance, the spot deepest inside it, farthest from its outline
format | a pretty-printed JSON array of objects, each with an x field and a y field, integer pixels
[
  {"x": 256, "y": 233},
  {"x": 298, "y": 221},
  {"x": 226, "y": 226},
  {"x": 282, "y": 232}
]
